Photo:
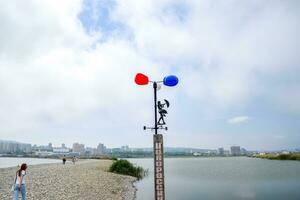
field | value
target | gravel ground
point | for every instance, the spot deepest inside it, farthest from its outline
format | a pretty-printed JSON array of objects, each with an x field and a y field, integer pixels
[{"x": 87, "y": 179}]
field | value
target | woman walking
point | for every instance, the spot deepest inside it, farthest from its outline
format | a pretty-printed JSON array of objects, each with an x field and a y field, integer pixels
[{"x": 20, "y": 186}]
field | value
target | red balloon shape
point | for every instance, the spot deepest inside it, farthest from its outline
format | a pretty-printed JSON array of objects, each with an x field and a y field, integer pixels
[{"x": 141, "y": 79}]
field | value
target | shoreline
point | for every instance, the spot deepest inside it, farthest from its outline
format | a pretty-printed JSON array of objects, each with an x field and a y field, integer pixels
[
  {"x": 33, "y": 161},
  {"x": 283, "y": 157},
  {"x": 87, "y": 179}
]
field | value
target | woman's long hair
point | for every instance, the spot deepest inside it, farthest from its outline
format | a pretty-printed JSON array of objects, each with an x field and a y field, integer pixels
[{"x": 23, "y": 167}]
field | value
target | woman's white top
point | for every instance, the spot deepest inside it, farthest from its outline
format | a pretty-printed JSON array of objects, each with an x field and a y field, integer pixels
[{"x": 18, "y": 179}]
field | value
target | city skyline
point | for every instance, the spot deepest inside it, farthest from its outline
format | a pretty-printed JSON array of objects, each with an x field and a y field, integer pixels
[
  {"x": 67, "y": 72},
  {"x": 101, "y": 149},
  {"x": 71, "y": 146}
]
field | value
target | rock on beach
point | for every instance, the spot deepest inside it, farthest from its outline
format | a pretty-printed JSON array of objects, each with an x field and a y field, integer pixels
[{"x": 86, "y": 180}]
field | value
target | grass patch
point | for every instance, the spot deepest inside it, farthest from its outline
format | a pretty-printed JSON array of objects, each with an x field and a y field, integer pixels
[{"x": 127, "y": 168}]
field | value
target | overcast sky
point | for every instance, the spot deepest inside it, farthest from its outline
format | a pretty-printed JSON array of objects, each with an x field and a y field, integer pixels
[{"x": 67, "y": 72}]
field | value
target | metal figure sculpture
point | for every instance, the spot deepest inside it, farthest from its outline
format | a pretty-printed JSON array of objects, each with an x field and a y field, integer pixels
[{"x": 162, "y": 112}]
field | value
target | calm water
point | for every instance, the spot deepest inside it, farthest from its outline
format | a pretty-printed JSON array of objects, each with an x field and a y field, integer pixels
[
  {"x": 13, "y": 162},
  {"x": 224, "y": 178}
]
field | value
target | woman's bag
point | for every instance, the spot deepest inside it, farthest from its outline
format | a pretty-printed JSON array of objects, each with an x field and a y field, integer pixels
[
  {"x": 13, "y": 185},
  {"x": 12, "y": 188}
]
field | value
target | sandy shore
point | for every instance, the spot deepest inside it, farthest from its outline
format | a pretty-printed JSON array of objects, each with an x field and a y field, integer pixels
[{"x": 87, "y": 179}]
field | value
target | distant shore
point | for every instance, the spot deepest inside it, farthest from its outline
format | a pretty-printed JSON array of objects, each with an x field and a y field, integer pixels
[
  {"x": 270, "y": 156},
  {"x": 87, "y": 179}
]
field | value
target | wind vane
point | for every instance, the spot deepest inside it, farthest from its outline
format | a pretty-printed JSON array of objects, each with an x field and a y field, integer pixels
[{"x": 159, "y": 183}]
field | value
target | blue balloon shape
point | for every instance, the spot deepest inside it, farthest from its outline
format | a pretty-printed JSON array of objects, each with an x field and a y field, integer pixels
[{"x": 170, "y": 80}]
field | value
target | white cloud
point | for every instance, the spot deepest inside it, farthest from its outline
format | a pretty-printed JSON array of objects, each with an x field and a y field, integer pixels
[
  {"x": 238, "y": 119},
  {"x": 51, "y": 70},
  {"x": 49, "y": 73},
  {"x": 223, "y": 49}
]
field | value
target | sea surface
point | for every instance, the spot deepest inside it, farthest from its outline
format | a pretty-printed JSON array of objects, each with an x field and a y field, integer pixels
[
  {"x": 232, "y": 178},
  {"x": 14, "y": 162}
]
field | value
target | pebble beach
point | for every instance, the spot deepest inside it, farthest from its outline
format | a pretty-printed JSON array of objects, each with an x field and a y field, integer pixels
[{"x": 87, "y": 179}]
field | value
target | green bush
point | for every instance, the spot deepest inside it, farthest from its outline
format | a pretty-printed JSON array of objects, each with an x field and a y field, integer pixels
[
  {"x": 114, "y": 158},
  {"x": 284, "y": 157},
  {"x": 126, "y": 168},
  {"x": 292, "y": 156}
]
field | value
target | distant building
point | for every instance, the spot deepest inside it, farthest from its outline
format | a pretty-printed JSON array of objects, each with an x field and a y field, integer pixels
[
  {"x": 60, "y": 150},
  {"x": 26, "y": 148},
  {"x": 221, "y": 151},
  {"x": 78, "y": 148},
  {"x": 244, "y": 151},
  {"x": 235, "y": 150},
  {"x": 226, "y": 152},
  {"x": 43, "y": 153},
  {"x": 90, "y": 151},
  {"x": 101, "y": 149},
  {"x": 43, "y": 148},
  {"x": 125, "y": 148},
  {"x": 63, "y": 145},
  {"x": 14, "y": 147},
  {"x": 116, "y": 150}
]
